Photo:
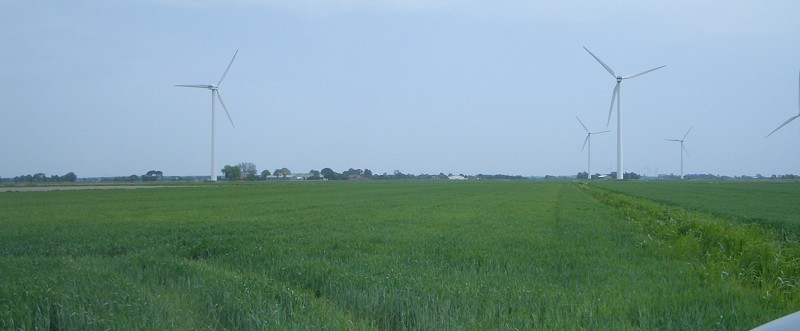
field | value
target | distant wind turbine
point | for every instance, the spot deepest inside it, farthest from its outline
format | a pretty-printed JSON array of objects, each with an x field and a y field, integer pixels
[
  {"x": 215, "y": 95},
  {"x": 588, "y": 140},
  {"x": 790, "y": 118},
  {"x": 615, "y": 96},
  {"x": 683, "y": 149}
]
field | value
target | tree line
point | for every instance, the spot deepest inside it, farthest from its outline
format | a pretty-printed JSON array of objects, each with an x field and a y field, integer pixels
[
  {"x": 150, "y": 176},
  {"x": 42, "y": 178},
  {"x": 248, "y": 171}
]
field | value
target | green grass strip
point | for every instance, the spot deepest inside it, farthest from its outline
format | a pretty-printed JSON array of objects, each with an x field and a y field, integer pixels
[{"x": 753, "y": 255}]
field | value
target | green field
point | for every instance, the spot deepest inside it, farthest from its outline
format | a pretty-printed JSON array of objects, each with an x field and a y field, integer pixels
[
  {"x": 394, "y": 255},
  {"x": 766, "y": 202}
]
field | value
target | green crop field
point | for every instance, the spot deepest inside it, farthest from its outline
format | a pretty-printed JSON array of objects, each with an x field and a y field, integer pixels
[
  {"x": 771, "y": 202},
  {"x": 392, "y": 255}
]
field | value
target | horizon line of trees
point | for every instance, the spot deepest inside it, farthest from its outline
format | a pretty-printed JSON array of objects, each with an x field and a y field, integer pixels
[
  {"x": 248, "y": 171},
  {"x": 150, "y": 176},
  {"x": 43, "y": 178}
]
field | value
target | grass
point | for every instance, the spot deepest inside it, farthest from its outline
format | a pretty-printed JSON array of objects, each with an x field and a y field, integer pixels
[
  {"x": 359, "y": 255},
  {"x": 764, "y": 202},
  {"x": 761, "y": 257}
]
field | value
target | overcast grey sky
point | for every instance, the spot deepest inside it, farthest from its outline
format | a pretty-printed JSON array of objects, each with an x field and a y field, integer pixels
[{"x": 418, "y": 86}]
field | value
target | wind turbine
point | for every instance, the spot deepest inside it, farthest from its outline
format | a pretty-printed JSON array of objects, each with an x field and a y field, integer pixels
[
  {"x": 215, "y": 95},
  {"x": 588, "y": 140},
  {"x": 683, "y": 149},
  {"x": 615, "y": 96},
  {"x": 790, "y": 118}
]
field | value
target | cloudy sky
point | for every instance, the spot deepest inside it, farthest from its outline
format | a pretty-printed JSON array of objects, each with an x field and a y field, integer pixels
[{"x": 421, "y": 86}]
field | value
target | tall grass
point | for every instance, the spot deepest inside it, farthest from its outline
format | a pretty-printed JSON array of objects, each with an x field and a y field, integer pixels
[
  {"x": 368, "y": 255},
  {"x": 763, "y": 258}
]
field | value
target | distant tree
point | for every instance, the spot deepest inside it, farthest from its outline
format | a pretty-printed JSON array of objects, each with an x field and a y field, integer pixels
[
  {"x": 69, "y": 177},
  {"x": 152, "y": 175},
  {"x": 282, "y": 172},
  {"x": 315, "y": 175},
  {"x": 248, "y": 170},
  {"x": 265, "y": 174},
  {"x": 328, "y": 174},
  {"x": 353, "y": 174},
  {"x": 630, "y": 175},
  {"x": 583, "y": 175},
  {"x": 40, "y": 177},
  {"x": 231, "y": 172},
  {"x": 367, "y": 173}
]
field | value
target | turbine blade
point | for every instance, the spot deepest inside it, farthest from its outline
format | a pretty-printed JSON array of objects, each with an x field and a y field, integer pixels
[
  {"x": 782, "y": 125},
  {"x": 601, "y": 62},
  {"x": 672, "y": 140},
  {"x": 584, "y": 126},
  {"x": 642, "y": 73},
  {"x": 684, "y": 149},
  {"x": 228, "y": 68},
  {"x": 598, "y": 132},
  {"x": 225, "y": 108},
  {"x": 197, "y": 86},
  {"x": 585, "y": 141},
  {"x": 613, "y": 98},
  {"x": 798, "y": 96},
  {"x": 687, "y": 133}
]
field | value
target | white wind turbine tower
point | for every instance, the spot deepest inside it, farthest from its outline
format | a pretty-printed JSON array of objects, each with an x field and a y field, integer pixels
[
  {"x": 615, "y": 96},
  {"x": 790, "y": 118},
  {"x": 683, "y": 149},
  {"x": 588, "y": 140},
  {"x": 215, "y": 95}
]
